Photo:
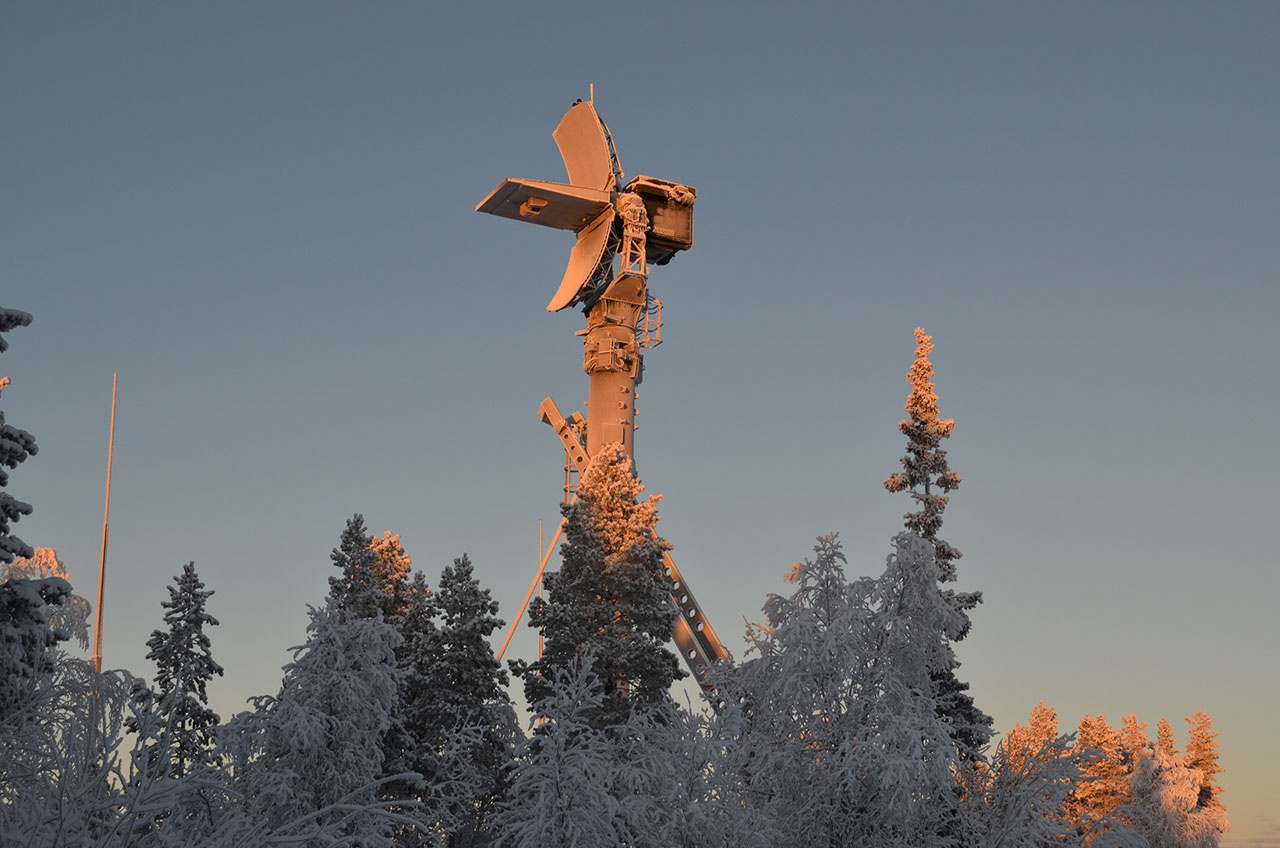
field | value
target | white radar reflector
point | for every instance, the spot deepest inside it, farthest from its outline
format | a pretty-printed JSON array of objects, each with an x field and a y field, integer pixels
[
  {"x": 585, "y": 257},
  {"x": 585, "y": 147}
]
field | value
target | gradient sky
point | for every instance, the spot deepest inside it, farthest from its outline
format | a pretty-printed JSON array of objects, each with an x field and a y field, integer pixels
[{"x": 262, "y": 216}]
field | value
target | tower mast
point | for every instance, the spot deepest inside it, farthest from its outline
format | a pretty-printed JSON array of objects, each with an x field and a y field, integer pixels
[
  {"x": 642, "y": 222},
  {"x": 106, "y": 524}
]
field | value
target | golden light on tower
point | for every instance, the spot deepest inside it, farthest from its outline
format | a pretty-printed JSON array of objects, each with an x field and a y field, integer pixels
[
  {"x": 635, "y": 224},
  {"x": 646, "y": 221}
]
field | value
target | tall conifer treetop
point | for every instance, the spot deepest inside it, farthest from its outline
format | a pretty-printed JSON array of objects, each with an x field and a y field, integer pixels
[
  {"x": 926, "y": 475},
  {"x": 1202, "y": 754},
  {"x": 360, "y": 591},
  {"x": 391, "y": 573},
  {"x": 611, "y": 597},
  {"x": 925, "y": 468},
  {"x": 184, "y": 667}
]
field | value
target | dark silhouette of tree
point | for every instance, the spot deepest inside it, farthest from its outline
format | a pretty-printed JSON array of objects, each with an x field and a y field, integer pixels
[
  {"x": 185, "y": 728},
  {"x": 26, "y": 632},
  {"x": 455, "y": 703},
  {"x": 15, "y": 446}
]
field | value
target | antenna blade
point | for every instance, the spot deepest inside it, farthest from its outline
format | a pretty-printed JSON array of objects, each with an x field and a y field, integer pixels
[
  {"x": 549, "y": 204},
  {"x": 583, "y": 260},
  {"x": 585, "y": 148}
]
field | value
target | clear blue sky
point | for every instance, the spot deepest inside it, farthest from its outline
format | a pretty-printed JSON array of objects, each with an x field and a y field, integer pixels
[{"x": 261, "y": 216}]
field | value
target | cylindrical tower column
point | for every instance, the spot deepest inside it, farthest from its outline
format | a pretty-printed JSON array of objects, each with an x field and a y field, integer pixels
[{"x": 611, "y": 357}]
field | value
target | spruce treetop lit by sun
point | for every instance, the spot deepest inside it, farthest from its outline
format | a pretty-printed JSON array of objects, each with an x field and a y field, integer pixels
[
  {"x": 611, "y": 597},
  {"x": 926, "y": 475},
  {"x": 925, "y": 465}
]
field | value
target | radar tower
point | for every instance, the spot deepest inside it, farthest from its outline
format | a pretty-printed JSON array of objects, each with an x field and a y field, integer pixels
[{"x": 640, "y": 223}]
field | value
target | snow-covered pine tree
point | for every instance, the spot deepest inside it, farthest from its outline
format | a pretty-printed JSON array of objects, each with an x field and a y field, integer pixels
[
  {"x": 1104, "y": 784},
  {"x": 15, "y": 446},
  {"x": 309, "y": 761},
  {"x": 1022, "y": 742},
  {"x": 359, "y": 592},
  {"x": 63, "y": 766},
  {"x": 611, "y": 597},
  {"x": 375, "y": 585},
  {"x": 927, "y": 476},
  {"x": 1018, "y": 801},
  {"x": 472, "y": 692},
  {"x": 1134, "y": 744},
  {"x": 1169, "y": 805},
  {"x": 559, "y": 785},
  {"x": 675, "y": 779},
  {"x": 1202, "y": 754},
  {"x": 417, "y": 656},
  {"x": 26, "y": 632},
  {"x": 925, "y": 467},
  {"x": 456, "y": 723},
  {"x": 391, "y": 571},
  {"x": 843, "y": 744},
  {"x": 73, "y": 614},
  {"x": 185, "y": 728},
  {"x": 666, "y": 776},
  {"x": 1166, "y": 742},
  {"x": 27, "y": 637}
]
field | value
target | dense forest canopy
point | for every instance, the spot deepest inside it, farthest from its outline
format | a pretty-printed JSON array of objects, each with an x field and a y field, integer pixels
[{"x": 844, "y": 725}]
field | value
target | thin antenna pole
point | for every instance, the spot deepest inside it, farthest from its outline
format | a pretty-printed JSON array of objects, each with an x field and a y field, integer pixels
[
  {"x": 537, "y": 578},
  {"x": 106, "y": 525}
]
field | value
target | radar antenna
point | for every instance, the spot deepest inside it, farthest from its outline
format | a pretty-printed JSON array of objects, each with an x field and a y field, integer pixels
[{"x": 645, "y": 222}]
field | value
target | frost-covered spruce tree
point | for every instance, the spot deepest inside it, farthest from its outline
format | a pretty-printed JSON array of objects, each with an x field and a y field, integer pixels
[
  {"x": 63, "y": 778},
  {"x": 1104, "y": 784},
  {"x": 611, "y": 597},
  {"x": 471, "y": 690},
  {"x": 73, "y": 613},
  {"x": 26, "y": 631},
  {"x": 927, "y": 476},
  {"x": 374, "y": 585},
  {"x": 1202, "y": 754},
  {"x": 676, "y": 780},
  {"x": 559, "y": 786},
  {"x": 1046, "y": 788},
  {"x": 414, "y": 717},
  {"x": 391, "y": 569},
  {"x": 925, "y": 472},
  {"x": 1169, "y": 804},
  {"x": 310, "y": 760},
  {"x": 665, "y": 776},
  {"x": 185, "y": 727},
  {"x": 27, "y": 637},
  {"x": 15, "y": 446},
  {"x": 843, "y": 744},
  {"x": 359, "y": 592},
  {"x": 456, "y": 723},
  {"x": 1019, "y": 799}
]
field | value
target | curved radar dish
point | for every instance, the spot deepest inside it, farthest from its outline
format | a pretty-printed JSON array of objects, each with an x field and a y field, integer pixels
[
  {"x": 586, "y": 148},
  {"x": 585, "y": 262},
  {"x": 585, "y": 205}
]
